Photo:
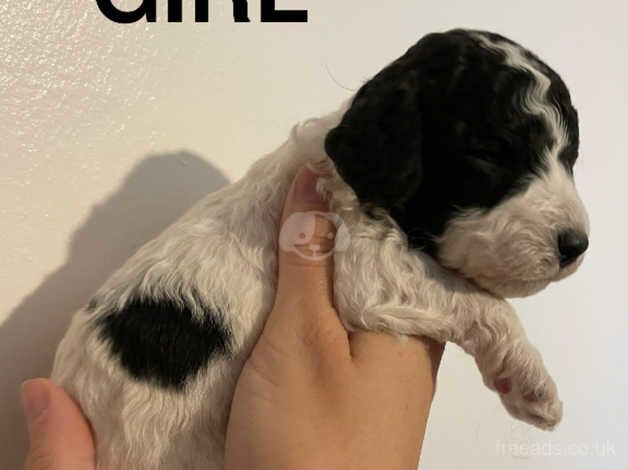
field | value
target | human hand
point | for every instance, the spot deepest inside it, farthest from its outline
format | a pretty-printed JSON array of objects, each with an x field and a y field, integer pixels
[
  {"x": 312, "y": 396},
  {"x": 60, "y": 436}
]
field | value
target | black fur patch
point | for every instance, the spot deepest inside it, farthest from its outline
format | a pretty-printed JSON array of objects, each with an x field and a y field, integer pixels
[
  {"x": 162, "y": 342},
  {"x": 443, "y": 129}
]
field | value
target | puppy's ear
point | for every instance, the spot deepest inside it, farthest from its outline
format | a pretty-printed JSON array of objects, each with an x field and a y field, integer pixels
[{"x": 377, "y": 146}]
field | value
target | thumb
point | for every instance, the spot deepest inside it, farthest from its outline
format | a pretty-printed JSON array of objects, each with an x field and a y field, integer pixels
[
  {"x": 59, "y": 434},
  {"x": 304, "y": 298},
  {"x": 306, "y": 243}
]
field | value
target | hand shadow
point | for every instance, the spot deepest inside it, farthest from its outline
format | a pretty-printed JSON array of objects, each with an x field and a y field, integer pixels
[{"x": 157, "y": 191}]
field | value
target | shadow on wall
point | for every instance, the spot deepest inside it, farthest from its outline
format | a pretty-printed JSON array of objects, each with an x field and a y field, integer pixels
[{"x": 156, "y": 193}]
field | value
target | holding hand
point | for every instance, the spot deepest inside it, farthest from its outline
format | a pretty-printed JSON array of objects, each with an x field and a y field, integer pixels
[{"x": 312, "y": 396}]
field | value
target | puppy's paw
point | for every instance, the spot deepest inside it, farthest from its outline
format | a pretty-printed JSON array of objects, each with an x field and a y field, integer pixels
[
  {"x": 527, "y": 390},
  {"x": 541, "y": 408}
]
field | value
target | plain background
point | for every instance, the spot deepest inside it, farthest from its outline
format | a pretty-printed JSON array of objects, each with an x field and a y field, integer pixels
[{"x": 109, "y": 132}]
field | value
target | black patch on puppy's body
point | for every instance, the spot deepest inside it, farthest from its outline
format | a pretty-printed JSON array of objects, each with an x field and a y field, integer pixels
[
  {"x": 162, "y": 342},
  {"x": 444, "y": 129}
]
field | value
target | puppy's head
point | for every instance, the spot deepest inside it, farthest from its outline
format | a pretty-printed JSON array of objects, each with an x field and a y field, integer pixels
[{"x": 469, "y": 141}]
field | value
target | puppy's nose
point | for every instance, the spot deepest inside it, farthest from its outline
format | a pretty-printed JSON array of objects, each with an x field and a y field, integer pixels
[{"x": 571, "y": 244}]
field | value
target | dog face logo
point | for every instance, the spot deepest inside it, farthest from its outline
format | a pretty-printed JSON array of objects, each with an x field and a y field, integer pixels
[{"x": 297, "y": 235}]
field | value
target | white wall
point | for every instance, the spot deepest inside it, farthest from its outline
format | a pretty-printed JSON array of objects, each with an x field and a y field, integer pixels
[{"x": 109, "y": 132}]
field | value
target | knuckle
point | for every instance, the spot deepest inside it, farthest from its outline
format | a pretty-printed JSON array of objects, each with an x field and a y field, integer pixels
[{"x": 318, "y": 333}]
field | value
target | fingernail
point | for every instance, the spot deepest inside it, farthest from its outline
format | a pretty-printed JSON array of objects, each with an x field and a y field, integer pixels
[
  {"x": 35, "y": 398},
  {"x": 305, "y": 187}
]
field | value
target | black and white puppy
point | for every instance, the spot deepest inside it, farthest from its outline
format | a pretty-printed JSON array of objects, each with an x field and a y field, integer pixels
[{"x": 450, "y": 177}]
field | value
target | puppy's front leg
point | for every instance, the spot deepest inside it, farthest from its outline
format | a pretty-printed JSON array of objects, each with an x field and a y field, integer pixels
[
  {"x": 487, "y": 328},
  {"x": 513, "y": 367},
  {"x": 409, "y": 293}
]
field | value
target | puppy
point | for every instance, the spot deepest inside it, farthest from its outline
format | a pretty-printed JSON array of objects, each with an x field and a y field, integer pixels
[{"x": 450, "y": 175}]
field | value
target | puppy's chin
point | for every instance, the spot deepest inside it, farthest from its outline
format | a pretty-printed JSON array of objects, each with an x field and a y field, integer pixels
[
  {"x": 569, "y": 270},
  {"x": 520, "y": 287},
  {"x": 511, "y": 288}
]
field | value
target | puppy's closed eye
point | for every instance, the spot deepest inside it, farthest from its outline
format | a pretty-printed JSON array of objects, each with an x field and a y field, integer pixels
[
  {"x": 488, "y": 165},
  {"x": 483, "y": 160}
]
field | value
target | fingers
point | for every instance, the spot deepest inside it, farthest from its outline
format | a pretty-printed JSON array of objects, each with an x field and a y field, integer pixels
[
  {"x": 304, "y": 299},
  {"x": 59, "y": 435},
  {"x": 382, "y": 353}
]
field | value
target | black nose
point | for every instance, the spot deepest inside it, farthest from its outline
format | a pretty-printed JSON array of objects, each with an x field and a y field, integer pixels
[{"x": 571, "y": 244}]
